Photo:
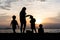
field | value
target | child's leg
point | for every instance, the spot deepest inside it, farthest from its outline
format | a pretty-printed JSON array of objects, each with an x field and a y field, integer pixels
[{"x": 14, "y": 31}]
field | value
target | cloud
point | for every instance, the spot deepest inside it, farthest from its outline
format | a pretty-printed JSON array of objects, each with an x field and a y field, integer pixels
[
  {"x": 6, "y": 4},
  {"x": 42, "y": 0},
  {"x": 1, "y": 14},
  {"x": 52, "y": 22},
  {"x": 33, "y": 0},
  {"x": 52, "y": 26},
  {"x": 4, "y": 8},
  {"x": 53, "y": 19}
]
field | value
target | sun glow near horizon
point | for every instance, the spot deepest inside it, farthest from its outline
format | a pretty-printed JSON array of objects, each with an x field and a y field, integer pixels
[{"x": 39, "y": 21}]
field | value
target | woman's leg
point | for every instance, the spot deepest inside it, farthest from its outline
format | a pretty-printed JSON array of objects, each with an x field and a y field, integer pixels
[
  {"x": 24, "y": 26},
  {"x": 35, "y": 31},
  {"x": 21, "y": 27}
]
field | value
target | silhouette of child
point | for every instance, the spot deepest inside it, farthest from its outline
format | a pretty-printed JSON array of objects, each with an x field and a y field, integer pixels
[
  {"x": 32, "y": 21},
  {"x": 41, "y": 30},
  {"x": 14, "y": 23}
]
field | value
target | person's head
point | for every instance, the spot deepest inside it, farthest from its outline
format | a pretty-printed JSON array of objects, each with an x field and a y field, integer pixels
[
  {"x": 40, "y": 25},
  {"x": 14, "y": 17},
  {"x": 31, "y": 16},
  {"x": 24, "y": 8}
]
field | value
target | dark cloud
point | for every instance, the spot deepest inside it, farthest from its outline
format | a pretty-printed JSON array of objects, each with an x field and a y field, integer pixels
[
  {"x": 6, "y": 4},
  {"x": 52, "y": 26},
  {"x": 56, "y": 19},
  {"x": 36, "y": 0},
  {"x": 53, "y": 19},
  {"x": 42, "y": 0},
  {"x": 52, "y": 22},
  {"x": 0, "y": 3},
  {"x": 3, "y": 7}
]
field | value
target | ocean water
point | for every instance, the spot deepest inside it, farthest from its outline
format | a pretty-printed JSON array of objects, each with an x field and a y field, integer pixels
[{"x": 18, "y": 30}]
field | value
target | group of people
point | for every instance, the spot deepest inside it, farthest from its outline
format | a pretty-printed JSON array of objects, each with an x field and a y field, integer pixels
[{"x": 23, "y": 16}]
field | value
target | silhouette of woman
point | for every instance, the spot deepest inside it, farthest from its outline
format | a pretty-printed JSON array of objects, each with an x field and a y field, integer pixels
[{"x": 23, "y": 19}]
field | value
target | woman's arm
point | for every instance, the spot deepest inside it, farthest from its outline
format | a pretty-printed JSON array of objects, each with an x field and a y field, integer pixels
[{"x": 28, "y": 15}]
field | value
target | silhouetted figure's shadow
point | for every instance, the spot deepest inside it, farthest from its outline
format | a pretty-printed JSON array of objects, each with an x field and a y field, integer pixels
[
  {"x": 14, "y": 23},
  {"x": 41, "y": 30},
  {"x": 23, "y": 19},
  {"x": 32, "y": 21}
]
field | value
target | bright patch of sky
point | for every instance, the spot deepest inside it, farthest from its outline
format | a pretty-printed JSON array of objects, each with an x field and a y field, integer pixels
[{"x": 39, "y": 9}]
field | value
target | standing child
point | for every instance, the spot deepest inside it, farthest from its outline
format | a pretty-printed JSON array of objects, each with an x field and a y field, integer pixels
[
  {"x": 32, "y": 21},
  {"x": 14, "y": 23}
]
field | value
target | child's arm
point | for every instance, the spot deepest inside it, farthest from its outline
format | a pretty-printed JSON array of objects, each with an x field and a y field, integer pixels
[{"x": 17, "y": 24}]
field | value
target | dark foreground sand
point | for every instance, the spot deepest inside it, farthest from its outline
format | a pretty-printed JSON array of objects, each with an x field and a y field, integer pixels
[{"x": 29, "y": 36}]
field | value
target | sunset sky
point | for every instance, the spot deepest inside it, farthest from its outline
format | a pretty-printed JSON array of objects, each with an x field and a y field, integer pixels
[{"x": 47, "y": 11}]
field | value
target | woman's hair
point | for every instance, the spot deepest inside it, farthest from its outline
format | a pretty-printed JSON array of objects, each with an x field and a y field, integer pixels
[{"x": 24, "y": 8}]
